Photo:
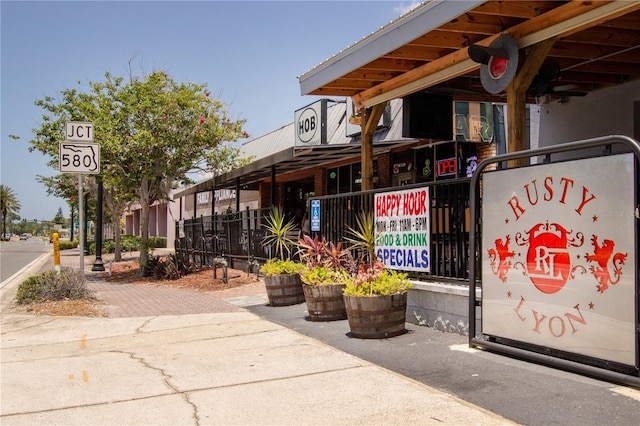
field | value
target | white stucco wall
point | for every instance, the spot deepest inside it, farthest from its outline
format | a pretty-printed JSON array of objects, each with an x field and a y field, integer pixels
[{"x": 600, "y": 113}]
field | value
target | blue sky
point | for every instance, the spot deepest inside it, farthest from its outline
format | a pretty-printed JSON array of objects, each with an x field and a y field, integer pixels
[{"x": 249, "y": 53}]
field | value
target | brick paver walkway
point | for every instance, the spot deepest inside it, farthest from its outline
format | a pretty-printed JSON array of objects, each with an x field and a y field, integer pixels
[{"x": 137, "y": 300}]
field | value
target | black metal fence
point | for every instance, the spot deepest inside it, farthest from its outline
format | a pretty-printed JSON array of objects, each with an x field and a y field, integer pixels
[
  {"x": 237, "y": 237},
  {"x": 450, "y": 223}
]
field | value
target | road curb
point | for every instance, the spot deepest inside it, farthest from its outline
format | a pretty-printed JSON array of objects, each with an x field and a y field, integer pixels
[{"x": 10, "y": 285}]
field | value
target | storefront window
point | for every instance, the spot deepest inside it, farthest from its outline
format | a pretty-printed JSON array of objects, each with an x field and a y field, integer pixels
[
  {"x": 425, "y": 165},
  {"x": 356, "y": 173},
  {"x": 344, "y": 179},
  {"x": 447, "y": 161},
  {"x": 468, "y": 155},
  {"x": 473, "y": 122},
  {"x": 403, "y": 168},
  {"x": 332, "y": 184}
]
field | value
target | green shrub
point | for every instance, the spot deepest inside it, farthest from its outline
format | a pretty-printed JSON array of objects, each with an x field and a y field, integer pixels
[
  {"x": 276, "y": 266},
  {"x": 108, "y": 246},
  {"x": 66, "y": 245},
  {"x": 157, "y": 242},
  {"x": 128, "y": 243},
  {"x": 376, "y": 280},
  {"x": 324, "y": 275},
  {"x": 169, "y": 267},
  {"x": 51, "y": 286}
]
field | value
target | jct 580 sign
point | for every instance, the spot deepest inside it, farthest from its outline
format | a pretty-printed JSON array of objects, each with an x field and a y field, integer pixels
[{"x": 79, "y": 157}]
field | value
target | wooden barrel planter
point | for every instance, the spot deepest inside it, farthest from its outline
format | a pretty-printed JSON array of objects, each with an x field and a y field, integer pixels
[
  {"x": 376, "y": 317},
  {"x": 325, "y": 302},
  {"x": 284, "y": 289}
]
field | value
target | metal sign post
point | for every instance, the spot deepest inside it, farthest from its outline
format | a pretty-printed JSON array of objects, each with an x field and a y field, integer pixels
[
  {"x": 81, "y": 222},
  {"x": 78, "y": 154}
]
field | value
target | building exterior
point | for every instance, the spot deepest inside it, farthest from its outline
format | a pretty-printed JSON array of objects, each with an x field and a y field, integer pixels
[
  {"x": 428, "y": 116},
  {"x": 332, "y": 165}
]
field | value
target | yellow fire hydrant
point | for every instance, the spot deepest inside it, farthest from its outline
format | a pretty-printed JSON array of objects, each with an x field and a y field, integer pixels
[{"x": 55, "y": 239}]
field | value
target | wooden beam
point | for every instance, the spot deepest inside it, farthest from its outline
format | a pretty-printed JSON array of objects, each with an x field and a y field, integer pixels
[
  {"x": 532, "y": 63},
  {"x": 517, "y": 98},
  {"x": 561, "y": 21},
  {"x": 370, "y": 118}
]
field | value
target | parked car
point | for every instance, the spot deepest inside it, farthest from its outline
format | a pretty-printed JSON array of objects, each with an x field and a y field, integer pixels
[{"x": 24, "y": 236}]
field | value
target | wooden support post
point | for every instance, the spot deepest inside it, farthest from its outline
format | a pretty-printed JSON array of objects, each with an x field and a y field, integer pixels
[
  {"x": 273, "y": 186},
  {"x": 370, "y": 118},
  {"x": 517, "y": 99}
]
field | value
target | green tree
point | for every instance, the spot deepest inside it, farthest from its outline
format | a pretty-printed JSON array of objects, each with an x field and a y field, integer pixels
[
  {"x": 9, "y": 205},
  {"x": 59, "y": 219},
  {"x": 64, "y": 186},
  {"x": 153, "y": 131}
]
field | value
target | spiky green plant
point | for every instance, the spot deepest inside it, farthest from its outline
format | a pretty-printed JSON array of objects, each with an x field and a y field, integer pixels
[
  {"x": 363, "y": 236},
  {"x": 279, "y": 228}
]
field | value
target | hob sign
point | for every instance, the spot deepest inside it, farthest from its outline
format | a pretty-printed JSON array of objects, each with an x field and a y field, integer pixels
[
  {"x": 558, "y": 256},
  {"x": 403, "y": 229}
]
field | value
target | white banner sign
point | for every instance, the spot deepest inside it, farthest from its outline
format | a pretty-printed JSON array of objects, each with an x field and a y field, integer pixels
[
  {"x": 403, "y": 227},
  {"x": 558, "y": 258}
]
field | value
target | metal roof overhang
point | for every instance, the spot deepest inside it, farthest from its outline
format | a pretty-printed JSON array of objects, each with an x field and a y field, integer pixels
[
  {"x": 390, "y": 37},
  {"x": 292, "y": 159}
]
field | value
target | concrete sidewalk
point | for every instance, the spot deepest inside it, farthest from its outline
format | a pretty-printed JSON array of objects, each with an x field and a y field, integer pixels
[{"x": 228, "y": 366}]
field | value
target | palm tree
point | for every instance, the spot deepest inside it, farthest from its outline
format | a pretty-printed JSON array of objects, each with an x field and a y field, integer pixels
[{"x": 8, "y": 205}]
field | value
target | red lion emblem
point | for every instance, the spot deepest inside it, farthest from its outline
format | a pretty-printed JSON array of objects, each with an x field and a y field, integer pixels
[
  {"x": 502, "y": 253},
  {"x": 601, "y": 255}
]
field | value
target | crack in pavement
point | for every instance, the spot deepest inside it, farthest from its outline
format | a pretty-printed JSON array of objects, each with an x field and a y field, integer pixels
[{"x": 166, "y": 379}]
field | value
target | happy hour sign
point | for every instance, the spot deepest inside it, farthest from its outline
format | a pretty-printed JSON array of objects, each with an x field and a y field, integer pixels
[{"x": 403, "y": 227}]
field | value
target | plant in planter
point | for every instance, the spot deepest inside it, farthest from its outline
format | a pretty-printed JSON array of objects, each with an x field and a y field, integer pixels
[
  {"x": 376, "y": 297},
  {"x": 282, "y": 275},
  {"x": 327, "y": 268}
]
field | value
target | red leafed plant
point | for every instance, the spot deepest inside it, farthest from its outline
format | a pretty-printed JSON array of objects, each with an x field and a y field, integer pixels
[{"x": 316, "y": 252}]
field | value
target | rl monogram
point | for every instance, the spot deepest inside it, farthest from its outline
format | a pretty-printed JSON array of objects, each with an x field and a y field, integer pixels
[{"x": 548, "y": 260}]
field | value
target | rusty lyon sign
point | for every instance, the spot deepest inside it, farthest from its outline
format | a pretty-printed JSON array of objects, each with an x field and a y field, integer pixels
[{"x": 558, "y": 257}]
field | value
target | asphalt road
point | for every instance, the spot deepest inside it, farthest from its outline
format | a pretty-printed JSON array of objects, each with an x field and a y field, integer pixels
[{"x": 17, "y": 254}]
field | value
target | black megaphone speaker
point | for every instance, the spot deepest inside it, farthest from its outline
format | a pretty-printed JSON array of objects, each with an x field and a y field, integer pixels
[{"x": 499, "y": 62}]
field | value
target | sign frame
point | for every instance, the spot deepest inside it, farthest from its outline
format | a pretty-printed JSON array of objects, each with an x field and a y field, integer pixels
[
  {"x": 558, "y": 260},
  {"x": 315, "y": 216},
  {"x": 79, "y": 157},
  {"x": 560, "y": 358},
  {"x": 72, "y": 131},
  {"x": 310, "y": 124},
  {"x": 403, "y": 229}
]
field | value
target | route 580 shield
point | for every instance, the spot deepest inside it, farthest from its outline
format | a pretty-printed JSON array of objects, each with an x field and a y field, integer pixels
[{"x": 79, "y": 157}]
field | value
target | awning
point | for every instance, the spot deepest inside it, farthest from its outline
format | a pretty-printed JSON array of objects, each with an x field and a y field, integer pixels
[
  {"x": 288, "y": 160},
  {"x": 596, "y": 44}
]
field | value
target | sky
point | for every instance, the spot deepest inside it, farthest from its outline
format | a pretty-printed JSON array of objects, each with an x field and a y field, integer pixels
[{"x": 249, "y": 54}]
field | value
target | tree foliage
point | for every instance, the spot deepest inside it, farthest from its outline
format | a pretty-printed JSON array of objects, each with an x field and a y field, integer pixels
[
  {"x": 59, "y": 219},
  {"x": 9, "y": 205},
  {"x": 152, "y": 130}
]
